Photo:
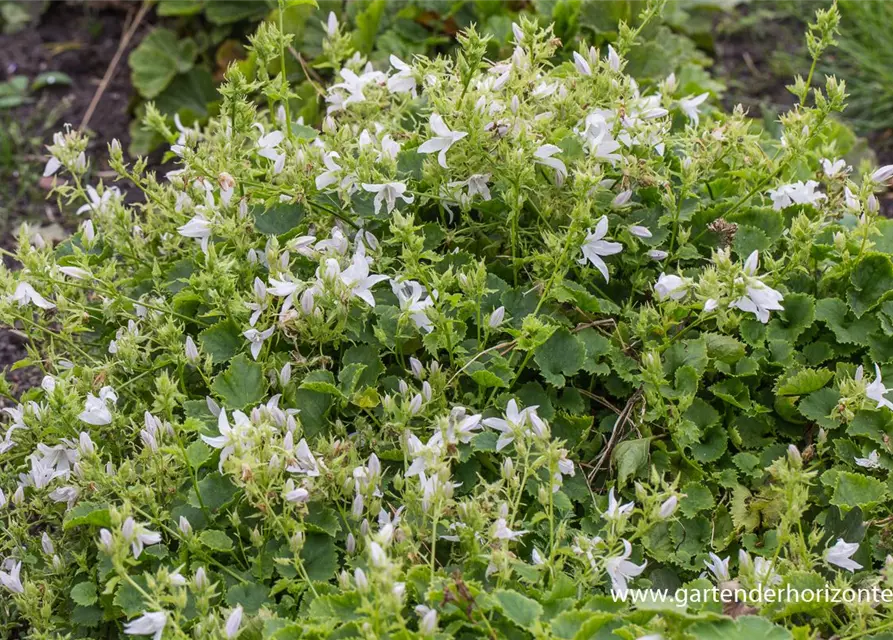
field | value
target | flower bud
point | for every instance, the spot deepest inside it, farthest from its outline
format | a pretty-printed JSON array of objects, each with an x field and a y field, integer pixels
[{"x": 496, "y": 317}]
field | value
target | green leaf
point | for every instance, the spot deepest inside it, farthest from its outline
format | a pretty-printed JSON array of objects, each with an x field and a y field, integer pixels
[
  {"x": 198, "y": 453},
  {"x": 368, "y": 356},
  {"x": 221, "y": 341},
  {"x": 129, "y": 598},
  {"x": 190, "y": 95},
  {"x": 278, "y": 219},
  {"x": 563, "y": 354},
  {"x": 732, "y": 391},
  {"x": 629, "y": 457},
  {"x": 853, "y": 489},
  {"x": 84, "y": 594},
  {"x": 321, "y": 381},
  {"x": 216, "y": 540},
  {"x": 697, "y": 497},
  {"x": 804, "y": 382},
  {"x": 749, "y": 239},
  {"x": 50, "y": 79},
  {"x": 723, "y": 348},
  {"x": 833, "y": 312},
  {"x": 88, "y": 513},
  {"x": 818, "y": 407},
  {"x": 797, "y": 316},
  {"x": 242, "y": 384},
  {"x": 222, "y": 12},
  {"x": 180, "y": 7},
  {"x": 216, "y": 490},
  {"x": 251, "y": 596},
  {"x": 158, "y": 58},
  {"x": 744, "y": 628},
  {"x": 368, "y": 22},
  {"x": 520, "y": 609},
  {"x": 320, "y": 556},
  {"x": 877, "y": 426},
  {"x": 871, "y": 280}
]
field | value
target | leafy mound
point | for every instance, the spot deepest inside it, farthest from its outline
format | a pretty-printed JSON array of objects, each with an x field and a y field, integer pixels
[{"x": 498, "y": 346}]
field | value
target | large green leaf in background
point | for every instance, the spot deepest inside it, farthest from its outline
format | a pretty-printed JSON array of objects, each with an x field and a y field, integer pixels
[{"x": 158, "y": 59}]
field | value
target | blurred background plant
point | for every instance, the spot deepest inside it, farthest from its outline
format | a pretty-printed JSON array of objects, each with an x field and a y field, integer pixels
[{"x": 758, "y": 48}]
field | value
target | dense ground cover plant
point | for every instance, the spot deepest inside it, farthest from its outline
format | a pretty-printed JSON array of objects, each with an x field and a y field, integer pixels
[{"x": 498, "y": 339}]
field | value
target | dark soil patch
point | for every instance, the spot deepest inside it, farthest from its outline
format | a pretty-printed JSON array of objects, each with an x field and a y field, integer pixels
[{"x": 754, "y": 56}]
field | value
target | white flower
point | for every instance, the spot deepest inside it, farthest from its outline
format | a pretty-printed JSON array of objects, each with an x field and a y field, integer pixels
[
  {"x": 332, "y": 173},
  {"x": 834, "y": 168},
  {"x": 138, "y": 536},
  {"x": 595, "y": 247},
  {"x": 883, "y": 174},
  {"x": 615, "y": 510},
  {"x": 658, "y": 255},
  {"x": 233, "y": 622},
  {"x": 404, "y": 80},
  {"x": 11, "y": 580},
  {"x": 597, "y": 135},
  {"x": 414, "y": 301},
  {"x": 25, "y": 294},
  {"x": 796, "y": 193},
  {"x": 851, "y": 201},
  {"x": 191, "y": 350},
  {"x": 496, "y": 317},
  {"x": 228, "y": 437},
  {"x": 147, "y": 624},
  {"x": 512, "y": 422},
  {"x": 536, "y": 557},
  {"x": 427, "y": 619},
  {"x": 267, "y": 147},
  {"x": 51, "y": 167},
  {"x": 256, "y": 338},
  {"x": 668, "y": 507},
  {"x": 841, "y": 555},
  {"x": 477, "y": 185},
  {"x": 718, "y": 567},
  {"x": 303, "y": 462},
  {"x": 672, "y": 287},
  {"x": 96, "y": 410},
  {"x": 639, "y": 231},
  {"x": 298, "y": 495},
  {"x": 357, "y": 278},
  {"x": 388, "y": 192},
  {"x": 75, "y": 272},
  {"x": 877, "y": 391},
  {"x": 199, "y": 228},
  {"x": 871, "y": 462},
  {"x": 98, "y": 203},
  {"x": 543, "y": 155},
  {"x": 582, "y": 64},
  {"x": 620, "y": 569},
  {"x": 760, "y": 298},
  {"x": 689, "y": 107},
  {"x": 501, "y": 531},
  {"x": 443, "y": 140},
  {"x": 613, "y": 59},
  {"x": 331, "y": 24}
]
